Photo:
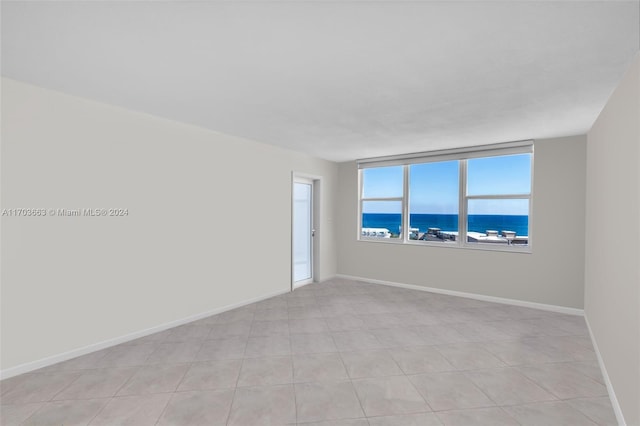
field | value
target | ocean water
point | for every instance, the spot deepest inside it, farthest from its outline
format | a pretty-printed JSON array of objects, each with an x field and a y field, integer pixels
[{"x": 448, "y": 222}]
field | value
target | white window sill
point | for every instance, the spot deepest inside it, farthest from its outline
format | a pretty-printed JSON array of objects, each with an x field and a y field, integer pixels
[{"x": 454, "y": 245}]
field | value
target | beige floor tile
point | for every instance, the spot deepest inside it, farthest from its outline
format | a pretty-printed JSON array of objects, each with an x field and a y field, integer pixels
[
  {"x": 176, "y": 352},
  {"x": 506, "y": 386},
  {"x": 197, "y": 408},
  {"x": 326, "y": 401},
  {"x": 234, "y": 329},
  {"x": 523, "y": 352},
  {"x": 564, "y": 348},
  {"x": 259, "y": 347},
  {"x": 548, "y": 413},
  {"x": 231, "y": 348},
  {"x": 469, "y": 356},
  {"x": 454, "y": 351},
  {"x": 219, "y": 374},
  {"x": 420, "y": 359},
  {"x": 344, "y": 323},
  {"x": 597, "y": 409},
  {"x": 480, "y": 332},
  {"x": 305, "y": 312},
  {"x": 14, "y": 415},
  {"x": 37, "y": 387},
  {"x": 266, "y": 371},
  {"x": 342, "y": 422},
  {"x": 450, "y": 391},
  {"x": 591, "y": 369},
  {"x": 380, "y": 321},
  {"x": 398, "y": 337},
  {"x": 420, "y": 318},
  {"x": 363, "y": 364},
  {"x": 477, "y": 417},
  {"x": 439, "y": 334},
  {"x": 309, "y": 325},
  {"x": 271, "y": 315},
  {"x": 137, "y": 410},
  {"x": 67, "y": 413},
  {"x": 101, "y": 383},
  {"x": 270, "y": 405},
  {"x": 420, "y": 419},
  {"x": 269, "y": 328},
  {"x": 384, "y": 396},
  {"x": 356, "y": 340},
  {"x": 520, "y": 329},
  {"x": 563, "y": 382},
  {"x": 310, "y": 343},
  {"x": 154, "y": 379},
  {"x": 302, "y": 302},
  {"x": 318, "y": 368}
]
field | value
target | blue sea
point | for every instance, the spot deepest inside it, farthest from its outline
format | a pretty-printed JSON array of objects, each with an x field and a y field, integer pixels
[{"x": 448, "y": 222}]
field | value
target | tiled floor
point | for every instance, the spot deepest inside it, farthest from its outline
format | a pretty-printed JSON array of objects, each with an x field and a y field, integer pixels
[{"x": 337, "y": 353}]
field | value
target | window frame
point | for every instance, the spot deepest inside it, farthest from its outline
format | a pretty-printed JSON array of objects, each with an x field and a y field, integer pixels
[
  {"x": 361, "y": 201},
  {"x": 462, "y": 156}
]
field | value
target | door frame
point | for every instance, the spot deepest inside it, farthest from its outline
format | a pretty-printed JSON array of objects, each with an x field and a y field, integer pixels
[{"x": 316, "y": 202}]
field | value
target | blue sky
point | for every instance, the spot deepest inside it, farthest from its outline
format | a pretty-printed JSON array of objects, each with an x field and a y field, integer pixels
[{"x": 434, "y": 186}]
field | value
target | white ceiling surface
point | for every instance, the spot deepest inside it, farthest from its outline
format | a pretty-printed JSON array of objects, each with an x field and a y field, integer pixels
[{"x": 337, "y": 80}]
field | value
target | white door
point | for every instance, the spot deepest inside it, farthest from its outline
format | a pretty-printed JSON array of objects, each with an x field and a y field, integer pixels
[{"x": 303, "y": 231}]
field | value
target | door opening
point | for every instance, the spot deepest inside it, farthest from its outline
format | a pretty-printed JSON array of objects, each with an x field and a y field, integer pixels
[{"x": 303, "y": 231}]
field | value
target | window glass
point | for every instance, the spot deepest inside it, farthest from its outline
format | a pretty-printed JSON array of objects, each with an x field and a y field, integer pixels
[
  {"x": 381, "y": 219},
  {"x": 507, "y": 174},
  {"x": 433, "y": 201},
  {"x": 382, "y": 182},
  {"x": 501, "y": 221}
]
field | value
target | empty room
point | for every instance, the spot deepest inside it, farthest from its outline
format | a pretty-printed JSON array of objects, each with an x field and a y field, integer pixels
[{"x": 345, "y": 213}]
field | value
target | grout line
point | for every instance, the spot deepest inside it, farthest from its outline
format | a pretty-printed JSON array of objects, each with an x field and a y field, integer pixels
[
  {"x": 99, "y": 411},
  {"x": 66, "y": 387},
  {"x": 190, "y": 365},
  {"x": 295, "y": 394},
  {"x": 164, "y": 409},
  {"x": 44, "y": 404}
]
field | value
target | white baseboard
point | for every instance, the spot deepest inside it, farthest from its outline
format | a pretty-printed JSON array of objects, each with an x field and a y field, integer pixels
[
  {"x": 603, "y": 369},
  {"x": 515, "y": 302},
  {"x": 45, "y": 362}
]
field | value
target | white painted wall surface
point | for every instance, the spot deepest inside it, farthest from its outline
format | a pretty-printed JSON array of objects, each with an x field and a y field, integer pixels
[
  {"x": 208, "y": 225},
  {"x": 553, "y": 274},
  {"x": 612, "y": 289}
]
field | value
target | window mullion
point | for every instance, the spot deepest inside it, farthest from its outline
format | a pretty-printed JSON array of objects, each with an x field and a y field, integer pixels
[
  {"x": 405, "y": 205},
  {"x": 382, "y": 199},
  {"x": 360, "y": 205},
  {"x": 462, "y": 203},
  {"x": 499, "y": 197}
]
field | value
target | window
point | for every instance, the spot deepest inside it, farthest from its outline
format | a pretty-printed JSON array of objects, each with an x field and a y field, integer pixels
[
  {"x": 478, "y": 197},
  {"x": 434, "y": 200},
  {"x": 498, "y": 195},
  {"x": 381, "y": 202}
]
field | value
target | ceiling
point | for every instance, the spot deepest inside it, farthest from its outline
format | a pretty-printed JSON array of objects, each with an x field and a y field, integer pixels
[{"x": 337, "y": 80}]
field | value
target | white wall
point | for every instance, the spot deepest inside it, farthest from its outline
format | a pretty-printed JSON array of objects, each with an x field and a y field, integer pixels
[
  {"x": 612, "y": 290},
  {"x": 553, "y": 274},
  {"x": 208, "y": 225}
]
